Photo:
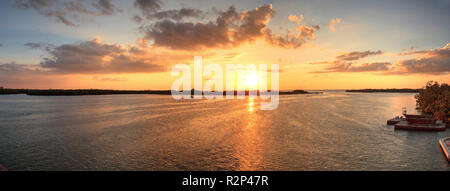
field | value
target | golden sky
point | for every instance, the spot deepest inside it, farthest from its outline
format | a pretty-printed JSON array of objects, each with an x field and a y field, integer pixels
[{"x": 134, "y": 44}]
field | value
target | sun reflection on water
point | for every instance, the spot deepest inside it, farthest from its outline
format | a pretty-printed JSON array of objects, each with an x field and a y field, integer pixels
[{"x": 251, "y": 104}]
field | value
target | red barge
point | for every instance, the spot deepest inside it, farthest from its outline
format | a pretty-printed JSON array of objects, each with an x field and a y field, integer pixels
[{"x": 417, "y": 123}]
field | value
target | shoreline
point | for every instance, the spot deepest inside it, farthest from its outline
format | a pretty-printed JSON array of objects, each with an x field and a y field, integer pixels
[
  {"x": 403, "y": 90},
  {"x": 83, "y": 92}
]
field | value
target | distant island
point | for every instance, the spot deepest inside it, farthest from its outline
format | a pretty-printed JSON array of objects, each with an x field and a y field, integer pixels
[
  {"x": 404, "y": 90},
  {"x": 75, "y": 92},
  {"x": 80, "y": 92}
]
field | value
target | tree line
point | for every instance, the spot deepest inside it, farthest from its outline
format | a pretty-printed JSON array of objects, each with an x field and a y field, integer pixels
[{"x": 435, "y": 99}]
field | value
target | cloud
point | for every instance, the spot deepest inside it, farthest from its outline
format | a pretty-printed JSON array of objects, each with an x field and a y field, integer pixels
[
  {"x": 66, "y": 11},
  {"x": 96, "y": 57},
  {"x": 295, "y": 18},
  {"x": 188, "y": 35},
  {"x": 178, "y": 15},
  {"x": 306, "y": 32},
  {"x": 351, "y": 67},
  {"x": 25, "y": 76},
  {"x": 293, "y": 40},
  {"x": 318, "y": 62},
  {"x": 435, "y": 62},
  {"x": 34, "y": 45},
  {"x": 253, "y": 23},
  {"x": 332, "y": 24},
  {"x": 357, "y": 55},
  {"x": 411, "y": 48},
  {"x": 13, "y": 68},
  {"x": 105, "y": 7},
  {"x": 43, "y": 46},
  {"x": 229, "y": 29},
  {"x": 429, "y": 62},
  {"x": 148, "y": 7},
  {"x": 110, "y": 79},
  {"x": 346, "y": 63},
  {"x": 87, "y": 58}
]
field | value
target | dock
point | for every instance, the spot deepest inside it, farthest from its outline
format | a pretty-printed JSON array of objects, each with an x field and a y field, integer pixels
[
  {"x": 404, "y": 125},
  {"x": 394, "y": 120},
  {"x": 417, "y": 123},
  {"x": 445, "y": 145}
]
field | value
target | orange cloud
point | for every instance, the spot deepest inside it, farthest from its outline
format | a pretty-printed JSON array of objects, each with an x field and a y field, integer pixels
[
  {"x": 332, "y": 24},
  {"x": 295, "y": 18}
]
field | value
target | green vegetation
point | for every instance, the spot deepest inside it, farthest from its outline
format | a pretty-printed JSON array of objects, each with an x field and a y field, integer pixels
[
  {"x": 435, "y": 99},
  {"x": 404, "y": 90}
]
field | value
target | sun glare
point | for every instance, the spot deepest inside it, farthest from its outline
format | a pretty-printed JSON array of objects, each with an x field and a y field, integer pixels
[{"x": 251, "y": 80}]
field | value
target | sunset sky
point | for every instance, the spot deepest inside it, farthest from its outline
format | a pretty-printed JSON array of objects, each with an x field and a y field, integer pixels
[{"x": 117, "y": 44}]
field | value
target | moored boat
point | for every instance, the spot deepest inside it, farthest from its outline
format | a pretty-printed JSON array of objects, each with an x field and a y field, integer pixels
[
  {"x": 417, "y": 116},
  {"x": 417, "y": 123},
  {"x": 395, "y": 120},
  {"x": 404, "y": 125},
  {"x": 445, "y": 145}
]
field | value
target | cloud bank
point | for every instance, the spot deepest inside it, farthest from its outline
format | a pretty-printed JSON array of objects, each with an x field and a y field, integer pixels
[
  {"x": 435, "y": 62},
  {"x": 230, "y": 29},
  {"x": 427, "y": 62}
]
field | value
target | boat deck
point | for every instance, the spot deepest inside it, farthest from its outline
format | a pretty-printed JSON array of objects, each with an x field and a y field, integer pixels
[
  {"x": 394, "y": 120},
  {"x": 445, "y": 145},
  {"x": 404, "y": 125}
]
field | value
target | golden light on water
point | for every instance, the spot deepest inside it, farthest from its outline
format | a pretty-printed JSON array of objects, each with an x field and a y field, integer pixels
[{"x": 251, "y": 104}]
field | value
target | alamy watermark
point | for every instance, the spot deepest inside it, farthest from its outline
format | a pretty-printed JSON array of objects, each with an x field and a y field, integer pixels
[{"x": 240, "y": 81}]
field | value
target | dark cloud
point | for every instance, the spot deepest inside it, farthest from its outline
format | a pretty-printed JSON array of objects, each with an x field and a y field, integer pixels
[
  {"x": 229, "y": 29},
  {"x": 178, "y": 15},
  {"x": 66, "y": 11},
  {"x": 188, "y": 35},
  {"x": 435, "y": 61},
  {"x": 431, "y": 62},
  {"x": 96, "y": 57},
  {"x": 148, "y": 7},
  {"x": 253, "y": 23},
  {"x": 33, "y": 45},
  {"x": 350, "y": 67},
  {"x": 43, "y": 46},
  {"x": 357, "y": 55},
  {"x": 137, "y": 19},
  {"x": 343, "y": 63},
  {"x": 13, "y": 68},
  {"x": 74, "y": 7},
  {"x": 9, "y": 67},
  {"x": 105, "y": 7},
  {"x": 89, "y": 57},
  {"x": 25, "y": 76}
]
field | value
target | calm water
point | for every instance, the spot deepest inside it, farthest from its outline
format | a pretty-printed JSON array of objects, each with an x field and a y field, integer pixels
[{"x": 333, "y": 131}]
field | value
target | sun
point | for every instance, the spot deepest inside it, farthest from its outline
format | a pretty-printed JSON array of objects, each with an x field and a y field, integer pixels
[{"x": 251, "y": 80}]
